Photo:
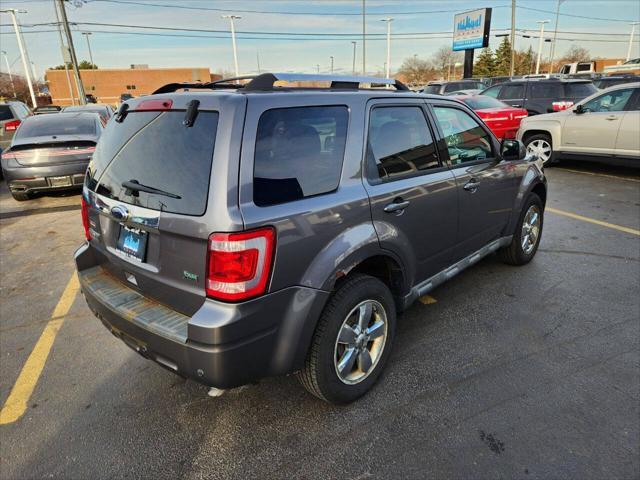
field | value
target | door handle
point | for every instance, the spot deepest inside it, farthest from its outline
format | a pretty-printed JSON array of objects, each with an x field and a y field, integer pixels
[
  {"x": 611, "y": 117},
  {"x": 398, "y": 205},
  {"x": 472, "y": 185}
]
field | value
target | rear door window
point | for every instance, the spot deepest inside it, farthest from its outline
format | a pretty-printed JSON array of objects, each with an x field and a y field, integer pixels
[
  {"x": 545, "y": 90},
  {"x": 299, "y": 153},
  {"x": 400, "y": 143},
  {"x": 579, "y": 90},
  {"x": 512, "y": 92},
  {"x": 156, "y": 150}
]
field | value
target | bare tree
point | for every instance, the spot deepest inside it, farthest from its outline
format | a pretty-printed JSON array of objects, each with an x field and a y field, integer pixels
[
  {"x": 416, "y": 72},
  {"x": 444, "y": 59},
  {"x": 575, "y": 54}
]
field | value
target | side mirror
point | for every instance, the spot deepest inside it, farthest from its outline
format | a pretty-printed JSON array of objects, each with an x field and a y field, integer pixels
[
  {"x": 579, "y": 109},
  {"x": 512, "y": 150}
]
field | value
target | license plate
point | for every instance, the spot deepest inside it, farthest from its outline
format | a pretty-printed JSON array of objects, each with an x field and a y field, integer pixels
[
  {"x": 132, "y": 242},
  {"x": 60, "y": 181}
]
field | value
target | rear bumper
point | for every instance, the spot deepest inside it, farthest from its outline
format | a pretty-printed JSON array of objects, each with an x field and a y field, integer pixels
[
  {"x": 35, "y": 179},
  {"x": 221, "y": 345}
]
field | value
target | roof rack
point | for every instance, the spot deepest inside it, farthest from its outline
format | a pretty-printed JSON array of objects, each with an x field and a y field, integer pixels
[{"x": 266, "y": 81}]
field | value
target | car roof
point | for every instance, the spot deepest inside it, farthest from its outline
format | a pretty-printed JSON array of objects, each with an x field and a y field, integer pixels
[{"x": 622, "y": 86}]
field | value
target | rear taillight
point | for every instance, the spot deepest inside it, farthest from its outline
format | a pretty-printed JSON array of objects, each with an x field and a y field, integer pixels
[
  {"x": 12, "y": 126},
  {"x": 85, "y": 218},
  {"x": 559, "y": 106},
  {"x": 239, "y": 264}
]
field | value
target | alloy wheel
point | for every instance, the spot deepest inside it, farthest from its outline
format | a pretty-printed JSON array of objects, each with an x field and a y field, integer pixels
[
  {"x": 541, "y": 148},
  {"x": 530, "y": 229}
]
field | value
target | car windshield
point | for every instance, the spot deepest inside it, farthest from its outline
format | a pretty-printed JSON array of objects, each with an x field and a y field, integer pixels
[
  {"x": 50, "y": 125},
  {"x": 432, "y": 89},
  {"x": 480, "y": 102}
]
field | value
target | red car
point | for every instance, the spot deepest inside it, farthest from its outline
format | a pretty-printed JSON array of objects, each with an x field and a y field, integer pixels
[{"x": 502, "y": 119}]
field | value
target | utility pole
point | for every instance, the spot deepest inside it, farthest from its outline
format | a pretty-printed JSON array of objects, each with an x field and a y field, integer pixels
[
  {"x": 86, "y": 35},
  {"x": 6, "y": 60},
  {"x": 364, "y": 38},
  {"x": 23, "y": 52},
  {"x": 258, "y": 59},
  {"x": 633, "y": 30},
  {"x": 513, "y": 38},
  {"x": 353, "y": 68},
  {"x": 331, "y": 57},
  {"x": 555, "y": 34},
  {"x": 82, "y": 98},
  {"x": 388, "y": 20},
  {"x": 318, "y": 68},
  {"x": 65, "y": 54},
  {"x": 540, "y": 43},
  {"x": 233, "y": 40}
]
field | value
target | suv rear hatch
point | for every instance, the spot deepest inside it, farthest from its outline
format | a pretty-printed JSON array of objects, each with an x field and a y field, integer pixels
[{"x": 148, "y": 187}]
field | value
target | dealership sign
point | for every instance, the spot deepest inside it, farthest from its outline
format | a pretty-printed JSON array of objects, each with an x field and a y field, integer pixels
[{"x": 471, "y": 29}]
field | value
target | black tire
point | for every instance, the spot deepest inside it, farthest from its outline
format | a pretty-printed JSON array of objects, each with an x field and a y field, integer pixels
[
  {"x": 20, "y": 196},
  {"x": 319, "y": 375},
  {"x": 514, "y": 254},
  {"x": 546, "y": 138}
]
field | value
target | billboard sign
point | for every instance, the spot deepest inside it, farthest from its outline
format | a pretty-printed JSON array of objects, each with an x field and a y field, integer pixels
[{"x": 471, "y": 29}]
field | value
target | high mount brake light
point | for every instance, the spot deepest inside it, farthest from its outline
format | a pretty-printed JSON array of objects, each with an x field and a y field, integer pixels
[
  {"x": 85, "y": 217},
  {"x": 239, "y": 264},
  {"x": 158, "y": 104}
]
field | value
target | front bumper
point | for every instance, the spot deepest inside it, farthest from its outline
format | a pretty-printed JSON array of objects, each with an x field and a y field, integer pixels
[
  {"x": 222, "y": 345},
  {"x": 44, "y": 178}
]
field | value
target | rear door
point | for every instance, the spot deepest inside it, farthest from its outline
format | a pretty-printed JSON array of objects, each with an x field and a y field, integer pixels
[
  {"x": 628, "y": 139},
  {"x": 485, "y": 185},
  {"x": 541, "y": 95},
  {"x": 154, "y": 236},
  {"x": 412, "y": 193},
  {"x": 513, "y": 94},
  {"x": 595, "y": 131}
]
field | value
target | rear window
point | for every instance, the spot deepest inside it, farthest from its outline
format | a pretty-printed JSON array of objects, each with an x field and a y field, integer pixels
[
  {"x": 299, "y": 153},
  {"x": 49, "y": 125},
  {"x": 5, "y": 112},
  {"x": 156, "y": 150},
  {"x": 481, "y": 101},
  {"x": 579, "y": 90},
  {"x": 545, "y": 90}
]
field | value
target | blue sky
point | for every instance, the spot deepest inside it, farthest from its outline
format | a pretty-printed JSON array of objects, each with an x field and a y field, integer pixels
[{"x": 112, "y": 50}]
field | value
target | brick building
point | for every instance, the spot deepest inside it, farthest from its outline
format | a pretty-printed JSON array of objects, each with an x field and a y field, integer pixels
[{"x": 109, "y": 83}]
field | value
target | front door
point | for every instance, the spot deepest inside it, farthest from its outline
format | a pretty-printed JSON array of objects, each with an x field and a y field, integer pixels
[
  {"x": 595, "y": 131},
  {"x": 412, "y": 194},
  {"x": 486, "y": 186}
]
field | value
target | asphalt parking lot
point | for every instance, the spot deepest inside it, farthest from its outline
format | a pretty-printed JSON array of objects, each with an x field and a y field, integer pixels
[{"x": 530, "y": 372}]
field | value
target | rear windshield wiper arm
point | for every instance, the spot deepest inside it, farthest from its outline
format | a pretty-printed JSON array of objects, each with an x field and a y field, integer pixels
[{"x": 135, "y": 186}]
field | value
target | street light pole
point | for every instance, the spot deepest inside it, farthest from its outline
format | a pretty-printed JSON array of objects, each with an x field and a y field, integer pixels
[
  {"x": 388, "y": 20},
  {"x": 86, "y": 35},
  {"x": 364, "y": 38},
  {"x": 23, "y": 53},
  {"x": 513, "y": 38},
  {"x": 555, "y": 34},
  {"x": 6, "y": 60},
  {"x": 82, "y": 98},
  {"x": 540, "y": 43},
  {"x": 633, "y": 30},
  {"x": 331, "y": 57},
  {"x": 233, "y": 40},
  {"x": 353, "y": 68}
]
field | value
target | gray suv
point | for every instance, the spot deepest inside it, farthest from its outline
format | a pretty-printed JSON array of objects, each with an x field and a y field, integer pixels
[{"x": 242, "y": 230}]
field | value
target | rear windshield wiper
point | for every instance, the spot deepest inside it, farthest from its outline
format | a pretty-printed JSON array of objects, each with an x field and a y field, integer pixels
[{"x": 133, "y": 187}]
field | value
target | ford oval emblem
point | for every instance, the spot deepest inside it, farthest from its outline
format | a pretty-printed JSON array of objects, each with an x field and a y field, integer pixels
[{"x": 120, "y": 213}]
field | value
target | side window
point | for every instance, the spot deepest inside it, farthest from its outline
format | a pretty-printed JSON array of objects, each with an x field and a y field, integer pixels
[
  {"x": 465, "y": 138},
  {"x": 634, "y": 104},
  {"x": 609, "y": 102},
  {"x": 545, "y": 90},
  {"x": 400, "y": 143},
  {"x": 299, "y": 153},
  {"x": 493, "y": 91},
  {"x": 512, "y": 92}
]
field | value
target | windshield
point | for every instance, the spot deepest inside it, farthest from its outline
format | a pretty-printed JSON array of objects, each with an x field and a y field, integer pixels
[
  {"x": 157, "y": 150},
  {"x": 432, "y": 89},
  {"x": 53, "y": 125},
  {"x": 480, "y": 102}
]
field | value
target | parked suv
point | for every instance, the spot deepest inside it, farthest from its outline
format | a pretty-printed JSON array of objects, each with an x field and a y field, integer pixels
[
  {"x": 539, "y": 96},
  {"x": 235, "y": 232},
  {"x": 443, "y": 88}
]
